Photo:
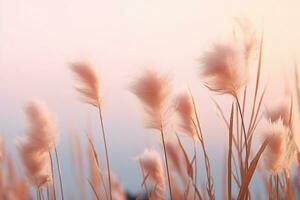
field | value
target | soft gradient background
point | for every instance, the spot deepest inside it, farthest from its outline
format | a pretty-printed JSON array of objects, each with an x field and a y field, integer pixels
[{"x": 38, "y": 38}]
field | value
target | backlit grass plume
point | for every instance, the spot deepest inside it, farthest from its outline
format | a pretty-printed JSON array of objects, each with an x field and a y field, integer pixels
[
  {"x": 88, "y": 88},
  {"x": 186, "y": 114},
  {"x": 35, "y": 163},
  {"x": 152, "y": 90},
  {"x": 224, "y": 69},
  {"x": 280, "y": 152},
  {"x": 40, "y": 139},
  {"x": 88, "y": 83},
  {"x": 36, "y": 147},
  {"x": 151, "y": 166},
  {"x": 41, "y": 131}
]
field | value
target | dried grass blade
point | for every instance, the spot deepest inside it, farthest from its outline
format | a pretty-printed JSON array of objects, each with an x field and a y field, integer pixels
[
  {"x": 257, "y": 79},
  {"x": 230, "y": 136},
  {"x": 186, "y": 158},
  {"x": 94, "y": 191},
  {"x": 95, "y": 155},
  {"x": 255, "y": 122},
  {"x": 251, "y": 170},
  {"x": 224, "y": 119}
]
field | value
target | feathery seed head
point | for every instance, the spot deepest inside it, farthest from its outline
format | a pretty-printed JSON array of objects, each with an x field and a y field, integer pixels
[
  {"x": 280, "y": 152},
  {"x": 186, "y": 112},
  {"x": 35, "y": 164},
  {"x": 41, "y": 131},
  {"x": 151, "y": 164},
  {"x": 88, "y": 83},
  {"x": 152, "y": 90},
  {"x": 224, "y": 69}
]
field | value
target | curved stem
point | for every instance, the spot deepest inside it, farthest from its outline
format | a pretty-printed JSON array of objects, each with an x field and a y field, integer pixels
[
  {"x": 59, "y": 174},
  {"x": 196, "y": 171},
  {"x": 244, "y": 132},
  {"x": 144, "y": 180},
  {"x": 106, "y": 152},
  {"x": 166, "y": 160},
  {"x": 97, "y": 165},
  {"x": 52, "y": 173},
  {"x": 94, "y": 191},
  {"x": 198, "y": 129}
]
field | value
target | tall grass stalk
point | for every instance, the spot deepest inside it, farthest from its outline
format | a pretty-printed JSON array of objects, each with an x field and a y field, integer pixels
[
  {"x": 95, "y": 156},
  {"x": 52, "y": 174},
  {"x": 243, "y": 192},
  {"x": 89, "y": 90},
  {"x": 196, "y": 170},
  {"x": 166, "y": 160},
  {"x": 59, "y": 174},
  {"x": 229, "y": 172},
  {"x": 94, "y": 190},
  {"x": 244, "y": 132},
  {"x": 210, "y": 188},
  {"x": 106, "y": 151}
]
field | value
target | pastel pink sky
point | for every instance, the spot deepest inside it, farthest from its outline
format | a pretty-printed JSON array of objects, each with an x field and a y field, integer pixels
[{"x": 38, "y": 38}]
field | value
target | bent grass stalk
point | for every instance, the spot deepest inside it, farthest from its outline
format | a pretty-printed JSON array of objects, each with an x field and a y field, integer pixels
[
  {"x": 196, "y": 173},
  {"x": 52, "y": 173},
  {"x": 144, "y": 180},
  {"x": 244, "y": 132},
  {"x": 252, "y": 167},
  {"x": 95, "y": 155},
  {"x": 59, "y": 174},
  {"x": 240, "y": 160},
  {"x": 94, "y": 191},
  {"x": 166, "y": 159},
  {"x": 210, "y": 188},
  {"x": 257, "y": 79},
  {"x": 106, "y": 151},
  {"x": 230, "y": 153}
]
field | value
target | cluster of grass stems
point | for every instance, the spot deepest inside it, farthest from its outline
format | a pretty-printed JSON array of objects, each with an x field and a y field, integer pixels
[{"x": 176, "y": 175}]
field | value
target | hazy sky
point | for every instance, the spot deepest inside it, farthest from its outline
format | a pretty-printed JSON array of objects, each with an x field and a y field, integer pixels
[{"x": 38, "y": 38}]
